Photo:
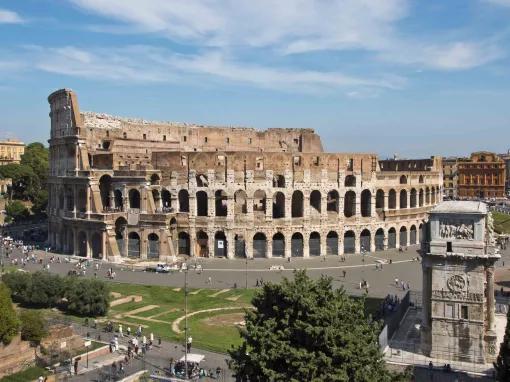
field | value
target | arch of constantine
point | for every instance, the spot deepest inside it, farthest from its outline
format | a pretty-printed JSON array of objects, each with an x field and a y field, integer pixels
[{"x": 126, "y": 188}]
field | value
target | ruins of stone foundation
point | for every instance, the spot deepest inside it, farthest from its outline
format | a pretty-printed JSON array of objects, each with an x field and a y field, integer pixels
[{"x": 124, "y": 188}]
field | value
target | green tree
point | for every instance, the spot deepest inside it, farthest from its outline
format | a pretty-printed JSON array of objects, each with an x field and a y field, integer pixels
[
  {"x": 40, "y": 202},
  {"x": 36, "y": 157},
  {"x": 304, "y": 330},
  {"x": 87, "y": 297},
  {"x": 16, "y": 210},
  {"x": 9, "y": 322},
  {"x": 46, "y": 289},
  {"x": 33, "y": 326},
  {"x": 25, "y": 183},
  {"x": 502, "y": 364},
  {"x": 20, "y": 284}
]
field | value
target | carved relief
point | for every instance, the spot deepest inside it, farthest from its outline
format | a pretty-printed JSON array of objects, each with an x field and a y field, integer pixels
[
  {"x": 456, "y": 283},
  {"x": 456, "y": 230}
]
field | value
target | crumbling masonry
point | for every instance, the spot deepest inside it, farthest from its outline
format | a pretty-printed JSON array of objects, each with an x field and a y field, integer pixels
[{"x": 123, "y": 188}]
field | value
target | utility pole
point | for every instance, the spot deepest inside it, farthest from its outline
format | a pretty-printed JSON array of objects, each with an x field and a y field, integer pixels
[{"x": 246, "y": 272}]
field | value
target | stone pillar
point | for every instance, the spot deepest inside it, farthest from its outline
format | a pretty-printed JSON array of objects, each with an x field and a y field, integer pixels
[
  {"x": 306, "y": 244},
  {"x": 125, "y": 199},
  {"x": 372, "y": 206},
  {"x": 324, "y": 246},
  {"x": 397, "y": 199},
  {"x": 386, "y": 198},
  {"x": 358, "y": 204},
  {"x": 210, "y": 243},
  {"x": 230, "y": 207},
  {"x": 306, "y": 205},
  {"x": 87, "y": 208},
  {"x": 248, "y": 243},
  {"x": 408, "y": 194},
  {"x": 324, "y": 206},
  {"x": 288, "y": 208},
  {"x": 174, "y": 202},
  {"x": 88, "y": 240},
  {"x": 269, "y": 249},
  {"x": 490, "y": 299},
  {"x": 288, "y": 252},
  {"x": 357, "y": 242},
  {"x": 249, "y": 208},
  {"x": 192, "y": 242},
  {"x": 211, "y": 206},
  {"x": 74, "y": 201},
  {"x": 231, "y": 245},
  {"x": 269, "y": 208},
  {"x": 385, "y": 241},
  {"x": 143, "y": 244},
  {"x": 372, "y": 241}
]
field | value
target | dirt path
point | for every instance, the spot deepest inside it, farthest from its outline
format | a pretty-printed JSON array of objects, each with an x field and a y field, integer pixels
[{"x": 175, "y": 324}]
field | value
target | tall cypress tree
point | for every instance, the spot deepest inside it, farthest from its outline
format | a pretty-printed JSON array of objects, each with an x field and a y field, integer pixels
[
  {"x": 502, "y": 364},
  {"x": 304, "y": 330}
]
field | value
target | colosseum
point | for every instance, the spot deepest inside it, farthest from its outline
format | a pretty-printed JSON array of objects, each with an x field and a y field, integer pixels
[{"x": 127, "y": 189}]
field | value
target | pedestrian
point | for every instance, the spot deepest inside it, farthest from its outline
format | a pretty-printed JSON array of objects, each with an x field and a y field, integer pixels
[
  {"x": 408, "y": 287},
  {"x": 136, "y": 349},
  {"x": 120, "y": 330},
  {"x": 151, "y": 337},
  {"x": 209, "y": 280},
  {"x": 76, "y": 366},
  {"x": 188, "y": 344},
  {"x": 396, "y": 282},
  {"x": 139, "y": 331},
  {"x": 129, "y": 331},
  {"x": 344, "y": 273}
]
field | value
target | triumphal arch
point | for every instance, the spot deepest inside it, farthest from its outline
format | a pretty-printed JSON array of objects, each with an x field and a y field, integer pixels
[{"x": 124, "y": 188}]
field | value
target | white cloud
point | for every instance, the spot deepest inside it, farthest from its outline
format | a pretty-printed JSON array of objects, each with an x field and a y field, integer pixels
[
  {"x": 293, "y": 27},
  {"x": 9, "y": 17},
  {"x": 144, "y": 64},
  {"x": 504, "y": 3}
]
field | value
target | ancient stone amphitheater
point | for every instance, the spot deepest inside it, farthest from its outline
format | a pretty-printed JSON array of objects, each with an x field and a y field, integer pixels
[{"x": 132, "y": 189}]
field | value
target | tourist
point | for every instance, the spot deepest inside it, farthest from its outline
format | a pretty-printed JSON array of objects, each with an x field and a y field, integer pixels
[
  {"x": 188, "y": 344},
  {"x": 120, "y": 330},
  {"x": 128, "y": 331},
  {"x": 396, "y": 282}
]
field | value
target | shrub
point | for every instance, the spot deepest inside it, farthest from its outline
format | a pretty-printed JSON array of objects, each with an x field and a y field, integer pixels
[
  {"x": 9, "y": 322},
  {"x": 33, "y": 326}
]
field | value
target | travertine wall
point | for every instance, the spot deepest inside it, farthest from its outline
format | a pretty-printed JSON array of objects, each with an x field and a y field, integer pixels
[{"x": 132, "y": 188}]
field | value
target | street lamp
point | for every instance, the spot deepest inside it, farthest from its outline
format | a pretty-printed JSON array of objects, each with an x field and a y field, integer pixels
[{"x": 186, "y": 323}]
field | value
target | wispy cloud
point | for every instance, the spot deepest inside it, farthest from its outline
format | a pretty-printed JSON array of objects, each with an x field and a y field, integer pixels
[
  {"x": 149, "y": 64},
  {"x": 10, "y": 17},
  {"x": 293, "y": 27}
]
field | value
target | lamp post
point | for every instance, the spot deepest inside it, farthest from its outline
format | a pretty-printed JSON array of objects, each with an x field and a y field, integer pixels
[
  {"x": 186, "y": 324},
  {"x": 246, "y": 272}
]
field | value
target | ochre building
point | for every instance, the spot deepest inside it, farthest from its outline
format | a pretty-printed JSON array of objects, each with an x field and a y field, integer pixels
[
  {"x": 482, "y": 176},
  {"x": 11, "y": 151},
  {"x": 131, "y": 189}
]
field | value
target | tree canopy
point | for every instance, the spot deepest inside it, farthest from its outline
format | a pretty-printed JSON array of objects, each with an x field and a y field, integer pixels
[
  {"x": 16, "y": 210},
  {"x": 502, "y": 364},
  {"x": 304, "y": 330},
  {"x": 9, "y": 322}
]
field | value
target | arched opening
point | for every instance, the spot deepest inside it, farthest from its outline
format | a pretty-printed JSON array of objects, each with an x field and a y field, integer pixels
[
  {"x": 403, "y": 199},
  {"x": 420, "y": 179},
  {"x": 403, "y": 237},
  {"x": 315, "y": 202},
  {"x": 403, "y": 179},
  {"x": 366, "y": 203},
  {"x": 202, "y": 180},
  {"x": 119, "y": 200},
  {"x": 166, "y": 200},
  {"x": 60, "y": 199},
  {"x": 314, "y": 244},
  {"x": 81, "y": 203},
  {"x": 240, "y": 202},
  {"x": 70, "y": 241},
  {"x": 240, "y": 246},
  {"x": 364, "y": 242},
  {"x": 120, "y": 231},
  {"x": 427, "y": 196},
  {"x": 70, "y": 199},
  {"x": 420, "y": 198},
  {"x": 202, "y": 203},
  {"x": 379, "y": 240},
  {"x": 333, "y": 201},
  {"x": 183, "y": 244},
  {"x": 153, "y": 246},
  {"x": 278, "y": 245},
  {"x": 82, "y": 244},
  {"x": 412, "y": 201},
  {"x": 349, "y": 242},
  {"x": 297, "y": 204},
  {"x": 220, "y": 202},
  {"x": 433, "y": 195},
  {"x": 350, "y": 204},
  {"x": 134, "y": 199},
  {"x": 296, "y": 245},
  {"x": 133, "y": 245},
  {"x": 350, "y": 181},
  {"x": 392, "y": 199},
  {"x": 278, "y": 205},
  {"x": 220, "y": 244},
  {"x": 105, "y": 187},
  {"x": 183, "y": 197},
  {"x": 156, "y": 196},
  {"x": 97, "y": 246},
  {"x": 259, "y": 245},
  {"x": 412, "y": 235},
  {"x": 259, "y": 203},
  {"x": 203, "y": 244},
  {"x": 379, "y": 200},
  {"x": 279, "y": 181},
  {"x": 154, "y": 179},
  {"x": 332, "y": 243},
  {"x": 392, "y": 238}
]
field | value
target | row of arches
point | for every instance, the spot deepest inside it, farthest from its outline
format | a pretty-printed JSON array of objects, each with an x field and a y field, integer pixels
[{"x": 278, "y": 243}]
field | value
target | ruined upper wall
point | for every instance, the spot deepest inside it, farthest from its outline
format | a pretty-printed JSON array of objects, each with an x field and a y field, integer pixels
[{"x": 431, "y": 164}]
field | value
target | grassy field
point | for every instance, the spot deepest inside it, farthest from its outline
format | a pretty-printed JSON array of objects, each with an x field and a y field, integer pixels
[
  {"x": 30, "y": 374},
  {"x": 501, "y": 222}
]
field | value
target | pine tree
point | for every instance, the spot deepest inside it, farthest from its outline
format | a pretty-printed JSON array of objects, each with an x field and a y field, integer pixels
[
  {"x": 304, "y": 330},
  {"x": 502, "y": 364}
]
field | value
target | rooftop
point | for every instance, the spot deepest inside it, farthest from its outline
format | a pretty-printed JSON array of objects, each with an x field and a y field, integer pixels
[{"x": 460, "y": 207}]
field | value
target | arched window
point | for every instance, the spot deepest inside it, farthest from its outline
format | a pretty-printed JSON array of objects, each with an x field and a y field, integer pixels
[
  {"x": 259, "y": 245},
  {"x": 427, "y": 196},
  {"x": 166, "y": 199},
  {"x": 203, "y": 244},
  {"x": 240, "y": 206},
  {"x": 134, "y": 199},
  {"x": 350, "y": 204},
  {"x": 119, "y": 200},
  {"x": 183, "y": 201},
  {"x": 379, "y": 240},
  {"x": 278, "y": 245},
  {"x": 314, "y": 244},
  {"x": 364, "y": 241},
  {"x": 392, "y": 238},
  {"x": 413, "y": 198},
  {"x": 296, "y": 245},
  {"x": 220, "y": 244},
  {"x": 379, "y": 199},
  {"x": 259, "y": 203},
  {"x": 412, "y": 235},
  {"x": 420, "y": 179},
  {"x": 133, "y": 245},
  {"x": 350, "y": 181},
  {"x": 403, "y": 179},
  {"x": 202, "y": 180},
  {"x": 392, "y": 199},
  {"x": 82, "y": 244},
  {"x": 332, "y": 243},
  {"x": 315, "y": 201},
  {"x": 403, "y": 199},
  {"x": 184, "y": 244},
  {"x": 403, "y": 236},
  {"x": 279, "y": 181},
  {"x": 120, "y": 231},
  {"x": 349, "y": 242},
  {"x": 297, "y": 204},
  {"x": 333, "y": 201},
  {"x": 420, "y": 197},
  {"x": 220, "y": 198},
  {"x": 105, "y": 187},
  {"x": 202, "y": 203},
  {"x": 366, "y": 203},
  {"x": 278, "y": 205},
  {"x": 153, "y": 246},
  {"x": 154, "y": 179}
]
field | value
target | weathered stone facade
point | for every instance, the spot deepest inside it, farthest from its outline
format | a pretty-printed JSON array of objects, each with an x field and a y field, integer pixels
[
  {"x": 458, "y": 284},
  {"x": 125, "y": 188}
]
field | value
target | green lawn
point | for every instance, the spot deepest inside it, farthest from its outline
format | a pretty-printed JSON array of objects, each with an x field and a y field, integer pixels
[
  {"x": 30, "y": 374},
  {"x": 501, "y": 222}
]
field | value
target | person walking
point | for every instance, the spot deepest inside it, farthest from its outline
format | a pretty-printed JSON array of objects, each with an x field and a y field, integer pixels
[
  {"x": 396, "y": 282},
  {"x": 188, "y": 344}
]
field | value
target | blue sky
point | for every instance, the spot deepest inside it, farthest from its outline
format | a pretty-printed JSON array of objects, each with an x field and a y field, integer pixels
[{"x": 417, "y": 78}]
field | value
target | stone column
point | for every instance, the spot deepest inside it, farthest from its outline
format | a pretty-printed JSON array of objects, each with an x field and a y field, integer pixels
[
  {"x": 324, "y": 245},
  {"x": 269, "y": 249},
  {"x": 88, "y": 240},
  {"x": 386, "y": 198},
  {"x": 210, "y": 243},
  {"x": 373, "y": 205},
  {"x": 358, "y": 204},
  {"x": 372, "y": 241},
  {"x": 397, "y": 199},
  {"x": 269, "y": 208},
  {"x": 143, "y": 244},
  {"x": 306, "y": 244},
  {"x": 230, "y": 207},
  {"x": 74, "y": 201},
  {"x": 248, "y": 243},
  {"x": 288, "y": 208},
  {"x": 87, "y": 208},
  {"x": 211, "y": 206},
  {"x": 385, "y": 241},
  {"x": 306, "y": 205},
  {"x": 174, "y": 202},
  {"x": 231, "y": 245},
  {"x": 288, "y": 252},
  {"x": 192, "y": 242},
  {"x": 357, "y": 242},
  {"x": 324, "y": 206},
  {"x": 490, "y": 298},
  {"x": 408, "y": 198}
]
